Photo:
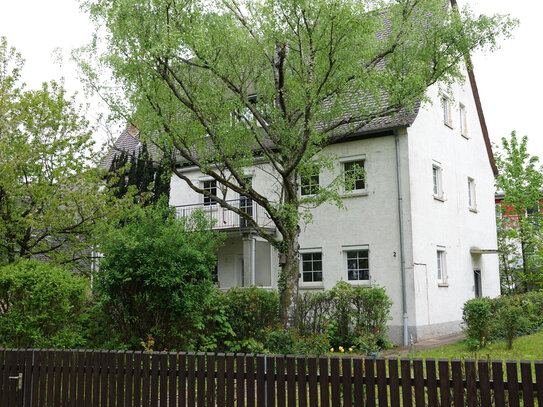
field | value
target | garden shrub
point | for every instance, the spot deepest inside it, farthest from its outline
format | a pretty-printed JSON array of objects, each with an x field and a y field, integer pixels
[
  {"x": 41, "y": 306},
  {"x": 476, "y": 318},
  {"x": 154, "y": 277},
  {"x": 350, "y": 316},
  {"x": 511, "y": 319},
  {"x": 282, "y": 341}
]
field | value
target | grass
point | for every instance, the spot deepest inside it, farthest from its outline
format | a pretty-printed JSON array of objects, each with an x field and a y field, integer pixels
[{"x": 529, "y": 347}]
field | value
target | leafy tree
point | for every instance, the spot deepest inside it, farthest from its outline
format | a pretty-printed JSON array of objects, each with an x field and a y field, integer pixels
[
  {"x": 41, "y": 306},
  {"x": 154, "y": 277},
  {"x": 240, "y": 83},
  {"x": 51, "y": 200},
  {"x": 520, "y": 227}
]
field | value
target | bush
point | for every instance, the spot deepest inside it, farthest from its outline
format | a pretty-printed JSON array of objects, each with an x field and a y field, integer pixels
[
  {"x": 282, "y": 341},
  {"x": 476, "y": 318},
  {"x": 41, "y": 306},
  {"x": 154, "y": 278},
  {"x": 349, "y": 316}
]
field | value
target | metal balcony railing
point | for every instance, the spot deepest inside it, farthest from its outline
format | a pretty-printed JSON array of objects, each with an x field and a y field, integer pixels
[{"x": 225, "y": 218}]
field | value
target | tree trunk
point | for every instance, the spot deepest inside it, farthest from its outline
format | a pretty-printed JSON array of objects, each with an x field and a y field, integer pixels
[{"x": 288, "y": 281}]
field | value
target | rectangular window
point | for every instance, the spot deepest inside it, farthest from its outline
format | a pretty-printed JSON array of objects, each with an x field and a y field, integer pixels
[
  {"x": 446, "y": 111},
  {"x": 463, "y": 121},
  {"x": 215, "y": 273},
  {"x": 358, "y": 268},
  {"x": 472, "y": 203},
  {"x": 437, "y": 181},
  {"x": 312, "y": 267},
  {"x": 211, "y": 187},
  {"x": 309, "y": 185},
  {"x": 354, "y": 175},
  {"x": 441, "y": 266},
  {"x": 477, "y": 283}
]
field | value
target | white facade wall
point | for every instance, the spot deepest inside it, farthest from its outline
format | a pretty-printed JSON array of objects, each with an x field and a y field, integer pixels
[{"x": 450, "y": 223}]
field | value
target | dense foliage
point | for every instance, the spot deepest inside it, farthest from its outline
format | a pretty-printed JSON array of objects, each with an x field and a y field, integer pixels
[
  {"x": 520, "y": 224},
  {"x": 52, "y": 200},
  {"x": 215, "y": 81},
  {"x": 154, "y": 277},
  {"x": 150, "y": 179},
  {"x": 506, "y": 317},
  {"x": 41, "y": 306},
  {"x": 350, "y": 316}
]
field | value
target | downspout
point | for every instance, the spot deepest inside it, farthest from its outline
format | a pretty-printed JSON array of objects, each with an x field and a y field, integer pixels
[
  {"x": 253, "y": 262},
  {"x": 402, "y": 251}
]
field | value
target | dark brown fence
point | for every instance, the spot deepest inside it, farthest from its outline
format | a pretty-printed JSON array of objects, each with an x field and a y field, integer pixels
[{"x": 33, "y": 378}]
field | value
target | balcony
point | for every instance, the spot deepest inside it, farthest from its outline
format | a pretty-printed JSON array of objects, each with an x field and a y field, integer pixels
[{"x": 227, "y": 219}]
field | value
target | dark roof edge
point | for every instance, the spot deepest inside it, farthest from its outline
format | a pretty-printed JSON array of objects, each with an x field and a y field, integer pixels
[{"x": 479, "y": 106}]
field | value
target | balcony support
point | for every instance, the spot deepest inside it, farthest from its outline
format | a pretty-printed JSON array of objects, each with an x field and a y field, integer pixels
[{"x": 249, "y": 260}]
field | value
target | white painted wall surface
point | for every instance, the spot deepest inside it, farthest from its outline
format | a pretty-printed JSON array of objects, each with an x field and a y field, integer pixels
[{"x": 450, "y": 223}]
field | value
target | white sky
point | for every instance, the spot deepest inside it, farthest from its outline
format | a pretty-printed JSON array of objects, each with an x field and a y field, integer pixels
[{"x": 510, "y": 80}]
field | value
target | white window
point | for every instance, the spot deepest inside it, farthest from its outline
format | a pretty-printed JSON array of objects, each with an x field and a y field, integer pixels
[
  {"x": 211, "y": 187},
  {"x": 441, "y": 266},
  {"x": 463, "y": 121},
  {"x": 311, "y": 266},
  {"x": 472, "y": 202},
  {"x": 447, "y": 119},
  {"x": 357, "y": 263},
  {"x": 437, "y": 180},
  {"x": 309, "y": 185},
  {"x": 354, "y": 173}
]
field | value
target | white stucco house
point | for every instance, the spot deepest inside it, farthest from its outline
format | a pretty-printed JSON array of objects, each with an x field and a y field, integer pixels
[{"x": 421, "y": 223}]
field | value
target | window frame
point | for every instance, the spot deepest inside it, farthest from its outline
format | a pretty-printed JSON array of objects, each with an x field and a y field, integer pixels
[
  {"x": 350, "y": 249},
  {"x": 441, "y": 266},
  {"x": 437, "y": 181},
  {"x": 207, "y": 200},
  {"x": 472, "y": 195},
  {"x": 311, "y": 251},
  {"x": 313, "y": 187},
  {"x": 463, "y": 120},
  {"x": 349, "y": 160},
  {"x": 447, "y": 117}
]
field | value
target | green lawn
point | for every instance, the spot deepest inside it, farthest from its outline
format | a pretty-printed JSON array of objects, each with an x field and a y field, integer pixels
[{"x": 526, "y": 347}]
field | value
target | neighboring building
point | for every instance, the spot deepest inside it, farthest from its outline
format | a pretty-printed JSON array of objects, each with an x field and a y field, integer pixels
[{"x": 445, "y": 190}]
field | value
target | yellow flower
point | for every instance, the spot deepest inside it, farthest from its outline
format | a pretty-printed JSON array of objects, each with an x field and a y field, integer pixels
[
  {"x": 331, "y": 349},
  {"x": 341, "y": 349},
  {"x": 350, "y": 349}
]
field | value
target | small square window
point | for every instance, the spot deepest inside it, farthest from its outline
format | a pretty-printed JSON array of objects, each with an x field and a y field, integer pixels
[
  {"x": 472, "y": 202},
  {"x": 441, "y": 266},
  {"x": 311, "y": 267},
  {"x": 358, "y": 268},
  {"x": 354, "y": 175},
  {"x": 437, "y": 181},
  {"x": 309, "y": 185},
  {"x": 211, "y": 187}
]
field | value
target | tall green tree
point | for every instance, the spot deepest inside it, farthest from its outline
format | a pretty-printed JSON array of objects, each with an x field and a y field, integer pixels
[
  {"x": 520, "y": 226},
  {"x": 237, "y": 83},
  {"x": 51, "y": 198}
]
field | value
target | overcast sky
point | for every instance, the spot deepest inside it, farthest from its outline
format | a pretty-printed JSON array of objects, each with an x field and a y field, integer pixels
[{"x": 510, "y": 81}]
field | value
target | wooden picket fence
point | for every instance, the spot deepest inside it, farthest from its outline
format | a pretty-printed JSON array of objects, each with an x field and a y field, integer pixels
[{"x": 79, "y": 378}]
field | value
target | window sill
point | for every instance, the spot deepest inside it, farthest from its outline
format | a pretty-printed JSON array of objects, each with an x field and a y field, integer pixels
[
  {"x": 465, "y": 136},
  {"x": 360, "y": 283},
  {"x": 442, "y": 284},
  {"x": 474, "y": 210},
  {"x": 355, "y": 193},
  {"x": 309, "y": 286},
  {"x": 439, "y": 198},
  {"x": 449, "y": 125}
]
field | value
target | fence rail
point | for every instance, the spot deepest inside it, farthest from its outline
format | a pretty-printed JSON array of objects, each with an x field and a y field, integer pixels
[{"x": 61, "y": 378}]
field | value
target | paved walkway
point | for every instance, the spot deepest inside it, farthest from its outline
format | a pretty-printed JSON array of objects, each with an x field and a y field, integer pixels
[{"x": 424, "y": 345}]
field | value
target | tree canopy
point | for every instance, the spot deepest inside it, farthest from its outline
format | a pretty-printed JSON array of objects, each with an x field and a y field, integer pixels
[
  {"x": 520, "y": 226},
  {"x": 51, "y": 195},
  {"x": 239, "y": 83}
]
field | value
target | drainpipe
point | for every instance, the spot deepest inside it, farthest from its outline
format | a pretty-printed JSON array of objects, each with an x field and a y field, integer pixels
[
  {"x": 402, "y": 251},
  {"x": 253, "y": 262}
]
